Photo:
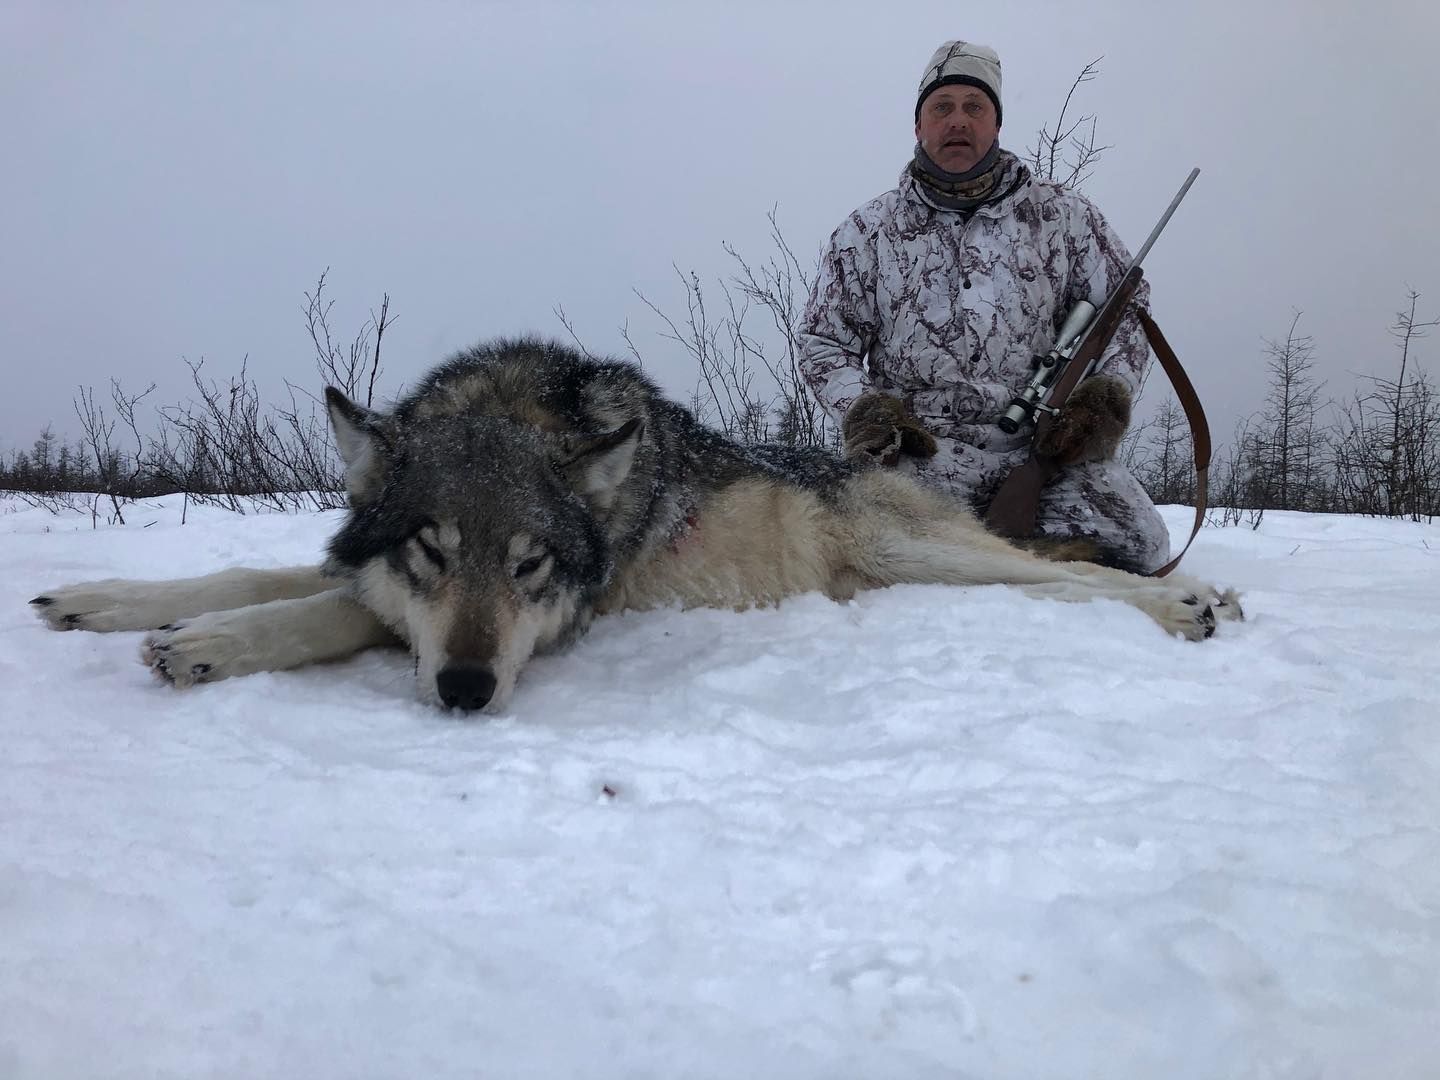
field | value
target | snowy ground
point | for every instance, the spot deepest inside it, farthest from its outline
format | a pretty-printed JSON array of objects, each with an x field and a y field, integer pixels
[{"x": 879, "y": 840}]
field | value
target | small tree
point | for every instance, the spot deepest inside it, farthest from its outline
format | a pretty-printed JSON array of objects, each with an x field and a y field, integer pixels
[
  {"x": 1158, "y": 452},
  {"x": 42, "y": 461},
  {"x": 1287, "y": 446},
  {"x": 1386, "y": 458}
]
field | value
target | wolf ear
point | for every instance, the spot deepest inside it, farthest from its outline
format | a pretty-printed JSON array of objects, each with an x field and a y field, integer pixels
[
  {"x": 361, "y": 444},
  {"x": 596, "y": 465}
]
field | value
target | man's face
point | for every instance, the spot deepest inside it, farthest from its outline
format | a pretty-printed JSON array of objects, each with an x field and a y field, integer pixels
[{"x": 957, "y": 127}]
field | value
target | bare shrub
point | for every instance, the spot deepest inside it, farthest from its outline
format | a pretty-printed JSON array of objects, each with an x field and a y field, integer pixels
[
  {"x": 1386, "y": 451},
  {"x": 1068, "y": 153},
  {"x": 748, "y": 383}
]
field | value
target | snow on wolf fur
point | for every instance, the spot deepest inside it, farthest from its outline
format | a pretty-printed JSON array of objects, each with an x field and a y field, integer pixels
[{"x": 523, "y": 488}]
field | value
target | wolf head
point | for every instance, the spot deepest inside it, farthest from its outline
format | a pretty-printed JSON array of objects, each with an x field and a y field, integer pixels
[{"x": 479, "y": 540}]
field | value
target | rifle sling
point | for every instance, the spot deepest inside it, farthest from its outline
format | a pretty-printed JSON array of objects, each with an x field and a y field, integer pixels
[{"x": 1194, "y": 416}]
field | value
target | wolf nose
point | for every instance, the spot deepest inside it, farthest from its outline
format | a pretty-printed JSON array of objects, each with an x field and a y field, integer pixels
[{"x": 465, "y": 686}]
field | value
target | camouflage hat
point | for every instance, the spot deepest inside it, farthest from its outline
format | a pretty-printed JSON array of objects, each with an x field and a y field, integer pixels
[{"x": 965, "y": 63}]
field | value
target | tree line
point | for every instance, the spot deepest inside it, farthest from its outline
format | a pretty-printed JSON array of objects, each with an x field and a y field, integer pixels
[
  {"x": 1374, "y": 451},
  {"x": 224, "y": 446}
]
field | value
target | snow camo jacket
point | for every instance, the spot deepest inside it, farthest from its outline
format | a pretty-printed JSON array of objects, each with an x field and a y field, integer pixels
[{"x": 946, "y": 313}]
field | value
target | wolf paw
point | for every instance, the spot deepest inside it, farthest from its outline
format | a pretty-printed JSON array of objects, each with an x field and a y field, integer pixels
[
  {"x": 1227, "y": 606},
  {"x": 1194, "y": 615},
  {"x": 1204, "y": 619},
  {"x": 1196, "y": 624},
  {"x": 185, "y": 653},
  {"x": 1224, "y": 604},
  {"x": 97, "y": 605}
]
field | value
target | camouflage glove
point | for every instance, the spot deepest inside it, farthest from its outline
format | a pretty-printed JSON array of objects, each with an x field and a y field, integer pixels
[
  {"x": 1090, "y": 425},
  {"x": 877, "y": 428}
]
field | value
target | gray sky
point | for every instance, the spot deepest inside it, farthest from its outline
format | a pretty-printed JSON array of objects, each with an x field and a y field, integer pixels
[{"x": 177, "y": 175}]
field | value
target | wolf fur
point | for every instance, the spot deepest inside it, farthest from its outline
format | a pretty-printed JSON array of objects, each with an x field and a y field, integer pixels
[{"x": 524, "y": 488}]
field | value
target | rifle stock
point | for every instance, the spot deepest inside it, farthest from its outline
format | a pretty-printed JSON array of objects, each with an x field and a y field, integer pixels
[{"x": 1012, "y": 512}]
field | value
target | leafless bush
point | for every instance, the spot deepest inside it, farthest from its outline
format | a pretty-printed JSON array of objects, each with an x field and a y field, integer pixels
[
  {"x": 118, "y": 473},
  {"x": 1386, "y": 453},
  {"x": 1160, "y": 456},
  {"x": 749, "y": 383},
  {"x": 356, "y": 368},
  {"x": 1233, "y": 485},
  {"x": 1068, "y": 152},
  {"x": 224, "y": 446},
  {"x": 54, "y": 502},
  {"x": 781, "y": 285}
]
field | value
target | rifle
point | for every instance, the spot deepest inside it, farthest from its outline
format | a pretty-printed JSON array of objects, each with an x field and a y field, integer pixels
[{"x": 1076, "y": 350}]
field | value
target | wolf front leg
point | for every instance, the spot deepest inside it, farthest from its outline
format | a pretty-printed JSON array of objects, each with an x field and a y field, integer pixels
[
  {"x": 272, "y": 636},
  {"x": 144, "y": 605}
]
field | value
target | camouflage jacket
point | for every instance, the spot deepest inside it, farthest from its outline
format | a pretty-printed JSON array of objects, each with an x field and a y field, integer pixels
[{"x": 946, "y": 313}]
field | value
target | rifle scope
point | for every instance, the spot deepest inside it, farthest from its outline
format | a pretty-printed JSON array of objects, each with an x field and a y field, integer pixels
[{"x": 1047, "y": 367}]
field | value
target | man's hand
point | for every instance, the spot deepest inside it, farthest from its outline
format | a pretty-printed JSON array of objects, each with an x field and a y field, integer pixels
[
  {"x": 1091, "y": 423},
  {"x": 877, "y": 428}
]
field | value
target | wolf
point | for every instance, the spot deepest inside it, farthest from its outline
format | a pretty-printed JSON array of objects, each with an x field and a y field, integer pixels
[{"x": 524, "y": 487}]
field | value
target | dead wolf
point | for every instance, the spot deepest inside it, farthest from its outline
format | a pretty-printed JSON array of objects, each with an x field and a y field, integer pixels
[{"x": 525, "y": 487}]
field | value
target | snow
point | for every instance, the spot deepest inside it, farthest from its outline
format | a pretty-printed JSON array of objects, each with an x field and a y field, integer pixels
[{"x": 931, "y": 833}]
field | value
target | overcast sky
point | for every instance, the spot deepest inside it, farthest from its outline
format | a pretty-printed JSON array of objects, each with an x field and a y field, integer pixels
[{"x": 176, "y": 175}]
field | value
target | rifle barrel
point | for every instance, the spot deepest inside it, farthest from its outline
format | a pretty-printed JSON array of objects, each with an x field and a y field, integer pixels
[{"x": 1165, "y": 218}]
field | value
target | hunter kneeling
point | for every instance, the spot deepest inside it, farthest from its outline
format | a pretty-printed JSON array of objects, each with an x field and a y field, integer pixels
[{"x": 932, "y": 299}]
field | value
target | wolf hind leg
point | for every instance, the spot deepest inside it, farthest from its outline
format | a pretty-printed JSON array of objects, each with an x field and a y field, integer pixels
[
  {"x": 1225, "y": 603},
  {"x": 962, "y": 552},
  {"x": 983, "y": 560},
  {"x": 116, "y": 604},
  {"x": 273, "y": 636},
  {"x": 895, "y": 531},
  {"x": 1177, "y": 610},
  {"x": 923, "y": 540}
]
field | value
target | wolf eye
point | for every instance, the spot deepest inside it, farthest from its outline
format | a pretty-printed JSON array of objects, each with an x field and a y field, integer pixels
[
  {"x": 530, "y": 565},
  {"x": 430, "y": 551}
]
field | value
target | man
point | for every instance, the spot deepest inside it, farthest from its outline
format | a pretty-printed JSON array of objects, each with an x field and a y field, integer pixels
[{"x": 932, "y": 299}]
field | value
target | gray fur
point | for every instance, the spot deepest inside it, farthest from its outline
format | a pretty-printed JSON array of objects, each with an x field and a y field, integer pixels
[{"x": 523, "y": 488}]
